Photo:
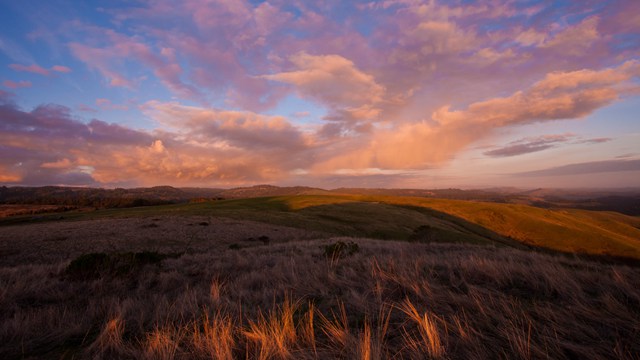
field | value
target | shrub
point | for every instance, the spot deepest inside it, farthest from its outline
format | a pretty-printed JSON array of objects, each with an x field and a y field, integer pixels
[
  {"x": 340, "y": 249},
  {"x": 95, "y": 265}
]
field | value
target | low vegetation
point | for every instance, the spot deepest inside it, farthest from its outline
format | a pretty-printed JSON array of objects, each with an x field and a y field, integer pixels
[
  {"x": 289, "y": 301},
  {"x": 320, "y": 277}
]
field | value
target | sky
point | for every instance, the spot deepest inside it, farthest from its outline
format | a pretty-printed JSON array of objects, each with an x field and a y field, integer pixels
[{"x": 327, "y": 93}]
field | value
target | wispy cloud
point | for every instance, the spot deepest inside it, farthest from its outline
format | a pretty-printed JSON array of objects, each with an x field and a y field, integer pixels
[
  {"x": 586, "y": 168},
  {"x": 529, "y": 145},
  {"x": 16, "y": 84},
  {"x": 37, "y": 69}
]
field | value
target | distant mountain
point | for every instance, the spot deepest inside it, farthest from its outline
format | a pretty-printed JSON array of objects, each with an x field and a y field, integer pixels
[{"x": 92, "y": 197}]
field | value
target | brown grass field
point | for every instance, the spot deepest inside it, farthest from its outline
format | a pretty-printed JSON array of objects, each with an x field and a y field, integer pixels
[{"x": 276, "y": 278}]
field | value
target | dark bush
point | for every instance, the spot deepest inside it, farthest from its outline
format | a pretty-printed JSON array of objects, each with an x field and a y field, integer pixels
[
  {"x": 95, "y": 265},
  {"x": 340, "y": 249},
  {"x": 265, "y": 239}
]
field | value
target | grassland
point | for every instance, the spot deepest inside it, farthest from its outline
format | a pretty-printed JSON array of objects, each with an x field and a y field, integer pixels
[
  {"x": 289, "y": 301},
  {"x": 262, "y": 279},
  {"x": 414, "y": 218}
]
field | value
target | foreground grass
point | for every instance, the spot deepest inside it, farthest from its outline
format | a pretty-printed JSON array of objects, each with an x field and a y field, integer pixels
[{"x": 290, "y": 301}]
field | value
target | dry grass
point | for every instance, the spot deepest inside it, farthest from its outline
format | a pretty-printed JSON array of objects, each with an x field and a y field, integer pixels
[
  {"x": 288, "y": 301},
  {"x": 428, "y": 340}
]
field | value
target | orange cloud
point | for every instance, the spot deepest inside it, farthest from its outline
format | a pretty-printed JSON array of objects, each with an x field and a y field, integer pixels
[
  {"x": 426, "y": 144},
  {"x": 560, "y": 95},
  {"x": 334, "y": 81}
]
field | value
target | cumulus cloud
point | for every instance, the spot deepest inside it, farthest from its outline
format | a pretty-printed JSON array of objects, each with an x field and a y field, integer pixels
[
  {"x": 420, "y": 145},
  {"x": 47, "y": 145},
  {"x": 410, "y": 93},
  {"x": 221, "y": 128}
]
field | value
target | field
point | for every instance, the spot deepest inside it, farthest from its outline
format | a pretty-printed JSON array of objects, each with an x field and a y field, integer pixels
[{"x": 321, "y": 276}]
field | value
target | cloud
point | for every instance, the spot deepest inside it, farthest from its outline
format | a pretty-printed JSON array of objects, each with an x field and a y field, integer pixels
[
  {"x": 107, "y": 60},
  {"x": 16, "y": 85},
  {"x": 60, "y": 68},
  {"x": 534, "y": 144},
  {"x": 529, "y": 145},
  {"x": 335, "y": 82},
  {"x": 594, "y": 140},
  {"x": 207, "y": 146},
  {"x": 240, "y": 129},
  {"x": 433, "y": 142},
  {"x": 106, "y": 104},
  {"x": 586, "y": 168},
  {"x": 560, "y": 95},
  {"x": 37, "y": 69},
  {"x": 412, "y": 92},
  {"x": 575, "y": 40}
]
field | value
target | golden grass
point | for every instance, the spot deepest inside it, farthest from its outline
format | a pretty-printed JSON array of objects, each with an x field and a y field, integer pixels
[
  {"x": 428, "y": 340},
  {"x": 568, "y": 230}
]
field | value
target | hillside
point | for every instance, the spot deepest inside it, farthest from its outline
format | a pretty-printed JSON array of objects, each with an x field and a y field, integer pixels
[
  {"x": 319, "y": 276},
  {"x": 418, "y": 219}
]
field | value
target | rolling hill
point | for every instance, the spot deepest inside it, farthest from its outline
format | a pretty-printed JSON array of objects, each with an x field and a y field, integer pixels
[{"x": 418, "y": 219}]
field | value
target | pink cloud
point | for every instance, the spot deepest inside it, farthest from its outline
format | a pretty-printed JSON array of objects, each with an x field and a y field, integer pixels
[
  {"x": 412, "y": 92},
  {"x": 336, "y": 82},
  {"x": 16, "y": 85},
  {"x": 240, "y": 129},
  {"x": 425, "y": 144},
  {"x": 60, "y": 68},
  {"x": 36, "y": 69},
  {"x": 575, "y": 40},
  {"x": 107, "y": 61},
  {"x": 560, "y": 95},
  {"x": 106, "y": 104}
]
